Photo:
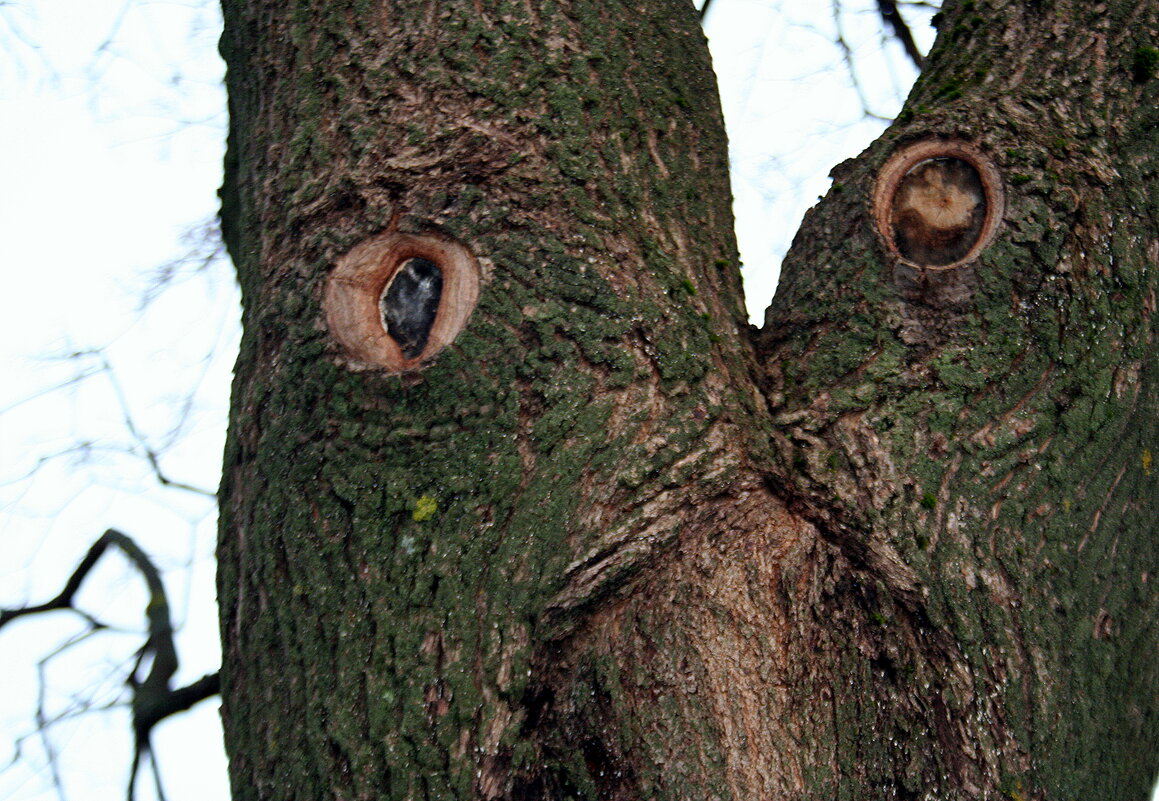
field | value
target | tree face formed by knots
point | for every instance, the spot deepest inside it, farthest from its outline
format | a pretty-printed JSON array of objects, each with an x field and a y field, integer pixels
[{"x": 598, "y": 537}]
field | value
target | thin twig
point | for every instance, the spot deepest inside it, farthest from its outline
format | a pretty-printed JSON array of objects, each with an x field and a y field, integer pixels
[
  {"x": 847, "y": 57},
  {"x": 892, "y": 17},
  {"x": 42, "y": 726},
  {"x": 150, "y": 455}
]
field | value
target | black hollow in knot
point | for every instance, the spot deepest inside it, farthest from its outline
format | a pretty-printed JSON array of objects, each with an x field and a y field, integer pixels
[{"x": 410, "y": 303}]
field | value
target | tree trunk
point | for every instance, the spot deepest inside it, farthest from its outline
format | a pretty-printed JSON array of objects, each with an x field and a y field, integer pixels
[{"x": 590, "y": 535}]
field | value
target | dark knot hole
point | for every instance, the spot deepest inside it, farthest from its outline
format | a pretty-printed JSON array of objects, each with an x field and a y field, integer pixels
[{"x": 410, "y": 304}]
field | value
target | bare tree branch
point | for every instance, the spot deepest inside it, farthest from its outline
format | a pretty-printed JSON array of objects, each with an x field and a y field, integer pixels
[
  {"x": 204, "y": 248},
  {"x": 892, "y": 17},
  {"x": 149, "y": 453},
  {"x": 153, "y": 699},
  {"x": 847, "y": 57}
]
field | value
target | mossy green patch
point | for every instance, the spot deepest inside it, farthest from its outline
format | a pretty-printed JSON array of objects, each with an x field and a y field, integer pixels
[{"x": 1144, "y": 62}]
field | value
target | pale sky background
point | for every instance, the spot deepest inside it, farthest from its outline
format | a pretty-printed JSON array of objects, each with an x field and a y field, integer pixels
[{"x": 111, "y": 154}]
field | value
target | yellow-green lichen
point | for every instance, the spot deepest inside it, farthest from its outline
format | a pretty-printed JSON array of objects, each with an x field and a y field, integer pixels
[{"x": 425, "y": 508}]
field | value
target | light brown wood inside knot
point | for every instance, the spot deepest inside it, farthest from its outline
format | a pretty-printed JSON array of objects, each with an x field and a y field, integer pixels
[{"x": 938, "y": 212}]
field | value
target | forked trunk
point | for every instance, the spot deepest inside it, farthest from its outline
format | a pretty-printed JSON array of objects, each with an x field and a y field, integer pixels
[{"x": 517, "y": 505}]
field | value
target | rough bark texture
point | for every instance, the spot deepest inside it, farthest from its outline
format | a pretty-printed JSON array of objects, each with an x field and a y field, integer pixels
[{"x": 613, "y": 543}]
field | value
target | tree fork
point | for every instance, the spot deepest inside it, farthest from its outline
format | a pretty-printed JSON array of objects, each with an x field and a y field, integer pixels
[{"x": 607, "y": 542}]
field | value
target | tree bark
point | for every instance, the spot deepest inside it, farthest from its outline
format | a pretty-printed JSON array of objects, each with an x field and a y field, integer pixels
[{"x": 611, "y": 542}]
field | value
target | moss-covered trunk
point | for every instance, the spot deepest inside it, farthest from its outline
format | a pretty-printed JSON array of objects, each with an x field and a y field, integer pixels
[{"x": 606, "y": 541}]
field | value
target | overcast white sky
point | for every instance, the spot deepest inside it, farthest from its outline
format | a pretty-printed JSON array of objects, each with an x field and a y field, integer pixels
[
  {"x": 111, "y": 149},
  {"x": 111, "y": 152}
]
